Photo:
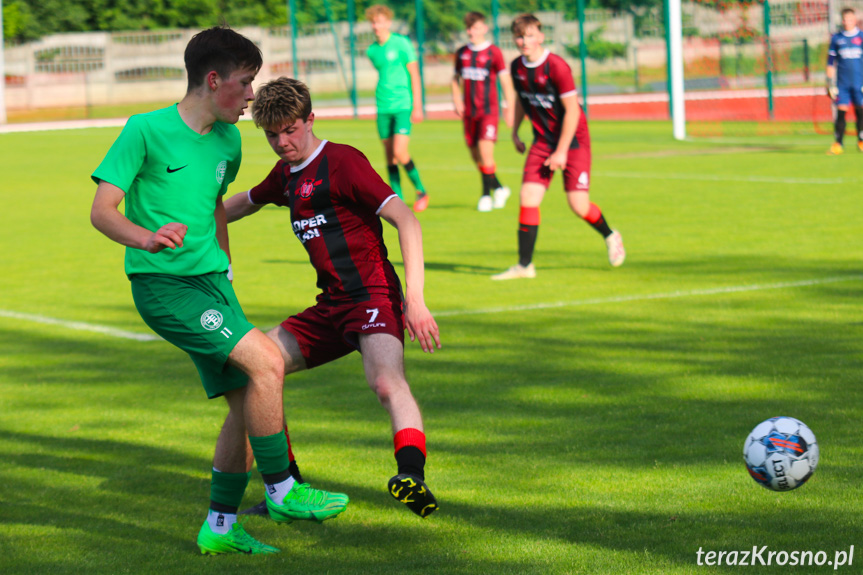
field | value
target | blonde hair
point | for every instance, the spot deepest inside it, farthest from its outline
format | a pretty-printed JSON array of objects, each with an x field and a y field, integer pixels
[
  {"x": 281, "y": 101},
  {"x": 376, "y": 10}
]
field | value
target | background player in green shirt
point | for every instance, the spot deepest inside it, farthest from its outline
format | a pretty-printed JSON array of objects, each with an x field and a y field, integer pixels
[
  {"x": 172, "y": 167},
  {"x": 398, "y": 97}
]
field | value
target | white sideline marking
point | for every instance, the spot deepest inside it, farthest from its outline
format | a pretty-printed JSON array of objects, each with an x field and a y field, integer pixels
[
  {"x": 645, "y": 297},
  {"x": 82, "y": 326},
  {"x": 713, "y": 178},
  {"x": 79, "y": 326}
]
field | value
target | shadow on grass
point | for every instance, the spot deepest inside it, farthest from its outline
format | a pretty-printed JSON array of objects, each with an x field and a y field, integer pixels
[
  {"x": 513, "y": 400},
  {"x": 150, "y": 517},
  {"x": 460, "y": 268}
]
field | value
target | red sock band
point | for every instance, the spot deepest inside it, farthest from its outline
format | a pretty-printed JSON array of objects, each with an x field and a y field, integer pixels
[
  {"x": 290, "y": 451},
  {"x": 529, "y": 216},
  {"x": 593, "y": 214},
  {"x": 410, "y": 436},
  {"x": 487, "y": 169}
]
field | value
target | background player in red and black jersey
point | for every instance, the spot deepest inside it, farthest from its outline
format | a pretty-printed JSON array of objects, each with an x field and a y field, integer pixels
[
  {"x": 547, "y": 96},
  {"x": 336, "y": 202},
  {"x": 478, "y": 65}
]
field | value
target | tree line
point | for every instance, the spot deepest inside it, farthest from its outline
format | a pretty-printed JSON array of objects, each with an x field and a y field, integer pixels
[{"x": 25, "y": 20}]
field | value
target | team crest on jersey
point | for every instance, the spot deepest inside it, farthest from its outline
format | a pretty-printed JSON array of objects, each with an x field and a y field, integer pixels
[
  {"x": 857, "y": 40},
  {"x": 307, "y": 188},
  {"x": 220, "y": 171}
]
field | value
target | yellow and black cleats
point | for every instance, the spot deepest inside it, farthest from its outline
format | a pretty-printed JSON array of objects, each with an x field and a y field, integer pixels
[{"x": 414, "y": 493}]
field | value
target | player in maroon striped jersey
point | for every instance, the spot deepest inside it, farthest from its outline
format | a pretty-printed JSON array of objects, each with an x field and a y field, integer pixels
[
  {"x": 478, "y": 65},
  {"x": 547, "y": 96},
  {"x": 336, "y": 202}
]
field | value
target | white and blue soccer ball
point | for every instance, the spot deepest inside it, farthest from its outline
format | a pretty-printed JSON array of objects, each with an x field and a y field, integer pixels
[{"x": 781, "y": 453}]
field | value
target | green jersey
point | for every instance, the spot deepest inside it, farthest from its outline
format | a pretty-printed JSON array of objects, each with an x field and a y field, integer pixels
[
  {"x": 170, "y": 173},
  {"x": 391, "y": 58}
]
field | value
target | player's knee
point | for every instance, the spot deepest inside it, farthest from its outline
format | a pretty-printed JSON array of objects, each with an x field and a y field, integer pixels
[
  {"x": 270, "y": 365},
  {"x": 383, "y": 389},
  {"x": 580, "y": 204},
  {"x": 529, "y": 199},
  {"x": 581, "y": 211},
  {"x": 387, "y": 388},
  {"x": 401, "y": 153}
]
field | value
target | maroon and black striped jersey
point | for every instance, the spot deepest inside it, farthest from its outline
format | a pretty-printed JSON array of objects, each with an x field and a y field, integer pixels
[
  {"x": 335, "y": 198},
  {"x": 540, "y": 86},
  {"x": 479, "y": 67}
]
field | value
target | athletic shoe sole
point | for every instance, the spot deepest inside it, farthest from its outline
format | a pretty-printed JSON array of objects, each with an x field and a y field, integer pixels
[{"x": 414, "y": 493}]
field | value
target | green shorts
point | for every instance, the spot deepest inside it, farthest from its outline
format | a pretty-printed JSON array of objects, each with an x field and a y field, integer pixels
[
  {"x": 394, "y": 123},
  {"x": 201, "y": 316}
]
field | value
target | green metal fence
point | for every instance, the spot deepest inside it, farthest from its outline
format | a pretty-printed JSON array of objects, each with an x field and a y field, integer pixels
[{"x": 727, "y": 46}]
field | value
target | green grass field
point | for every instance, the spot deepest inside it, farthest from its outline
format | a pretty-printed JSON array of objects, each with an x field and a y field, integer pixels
[{"x": 588, "y": 421}]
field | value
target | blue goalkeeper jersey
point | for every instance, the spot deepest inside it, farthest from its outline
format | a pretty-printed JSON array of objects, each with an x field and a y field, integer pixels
[{"x": 846, "y": 53}]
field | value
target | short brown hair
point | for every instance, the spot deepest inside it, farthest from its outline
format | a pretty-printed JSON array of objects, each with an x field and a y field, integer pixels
[
  {"x": 848, "y": 10},
  {"x": 281, "y": 101},
  {"x": 521, "y": 23},
  {"x": 472, "y": 18},
  {"x": 376, "y": 10}
]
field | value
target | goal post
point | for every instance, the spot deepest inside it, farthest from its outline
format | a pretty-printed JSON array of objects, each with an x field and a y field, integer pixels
[
  {"x": 2, "y": 69},
  {"x": 674, "y": 38}
]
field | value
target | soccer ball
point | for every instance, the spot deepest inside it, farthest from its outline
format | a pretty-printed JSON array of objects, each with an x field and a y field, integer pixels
[{"x": 781, "y": 453}]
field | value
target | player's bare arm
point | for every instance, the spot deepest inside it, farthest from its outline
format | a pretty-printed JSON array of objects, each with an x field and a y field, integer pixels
[
  {"x": 516, "y": 124},
  {"x": 832, "y": 90},
  {"x": 420, "y": 323},
  {"x": 222, "y": 227},
  {"x": 457, "y": 101},
  {"x": 106, "y": 217},
  {"x": 416, "y": 87},
  {"x": 571, "y": 115},
  {"x": 239, "y": 206},
  {"x": 509, "y": 98}
]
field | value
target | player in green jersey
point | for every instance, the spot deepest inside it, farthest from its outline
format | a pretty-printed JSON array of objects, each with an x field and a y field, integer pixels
[
  {"x": 398, "y": 97},
  {"x": 172, "y": 167}
]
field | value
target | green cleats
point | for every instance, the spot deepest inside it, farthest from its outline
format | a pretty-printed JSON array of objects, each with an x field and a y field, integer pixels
[
  {"x": 304, "y": 502},
  {"x": 234, "y": 541}
]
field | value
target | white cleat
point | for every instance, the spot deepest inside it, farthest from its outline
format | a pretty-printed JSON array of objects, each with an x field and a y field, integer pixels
[
  {"x": 515, "y": 272},
  {"x": 616, "y": 253},
  {"x": 486, "y": 204},
  {"x": 501, "y": 195}
]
